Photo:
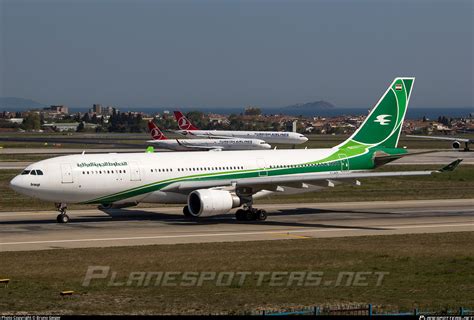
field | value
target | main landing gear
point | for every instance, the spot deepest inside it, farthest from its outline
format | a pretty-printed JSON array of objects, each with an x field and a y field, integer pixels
[
  {"x": 250, "y": 214},
  {"x": 62, "y": 216}
]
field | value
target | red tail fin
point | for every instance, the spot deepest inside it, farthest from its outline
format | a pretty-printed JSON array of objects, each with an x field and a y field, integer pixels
[
  {"x": 155, "y": 132},
  {"x": 183, "y": 122}
]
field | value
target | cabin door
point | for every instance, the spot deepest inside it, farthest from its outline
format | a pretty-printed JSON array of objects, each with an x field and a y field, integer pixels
[
  {"x": 66, "y": 173},
  {"x": 134, "y": 172}
]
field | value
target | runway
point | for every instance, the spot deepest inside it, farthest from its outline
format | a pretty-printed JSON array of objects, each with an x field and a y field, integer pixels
[{"x": 166, "y": 225}]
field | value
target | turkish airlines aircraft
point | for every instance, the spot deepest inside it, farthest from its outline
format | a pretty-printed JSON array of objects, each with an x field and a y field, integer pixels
[
  {"x": 187, "y": 128},
  {"x": 456, "y": 141},
  {"x": 212, "y": 183},
  {"x": 161, "y": 141}
]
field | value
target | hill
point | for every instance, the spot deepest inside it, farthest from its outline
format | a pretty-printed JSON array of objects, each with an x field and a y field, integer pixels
[
  {"x": 316, "y": 105},
  {"x": 17, "y": 104}
]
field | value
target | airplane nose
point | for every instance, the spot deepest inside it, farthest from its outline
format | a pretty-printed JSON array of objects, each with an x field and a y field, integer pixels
[
  {"x": 16, "y": 184},
  {"x": 304, "y": 138}
]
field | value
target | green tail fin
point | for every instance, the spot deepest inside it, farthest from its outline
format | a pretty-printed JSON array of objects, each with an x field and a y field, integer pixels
[{"x": 383, "y": 125}]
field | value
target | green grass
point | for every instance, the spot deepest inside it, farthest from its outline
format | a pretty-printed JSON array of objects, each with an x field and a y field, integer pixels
[
  {"x": 427, "y": 271},
  {"x": 450, "y": 185}
]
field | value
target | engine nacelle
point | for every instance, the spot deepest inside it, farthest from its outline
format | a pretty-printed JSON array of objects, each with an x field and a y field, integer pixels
[
  {"x": 456, "y": 145},
  {"x": 206, "y": 203}
]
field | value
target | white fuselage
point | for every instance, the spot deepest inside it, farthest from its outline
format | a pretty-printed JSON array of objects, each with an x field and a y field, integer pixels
[
  {"x": 268, "y": 136},
  {"x": 85, "y": 177},
  {"x": 211, "y": 144}
]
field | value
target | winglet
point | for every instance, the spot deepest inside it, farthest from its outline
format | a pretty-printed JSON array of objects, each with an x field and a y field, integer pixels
[{"x": 450, "y": 167}]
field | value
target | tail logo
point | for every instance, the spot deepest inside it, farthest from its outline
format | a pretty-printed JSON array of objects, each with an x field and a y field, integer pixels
[
  {"x": 156, "y": 134},
  {"x": 184, "y": 124},
  {"x": 382, "y": 119}
]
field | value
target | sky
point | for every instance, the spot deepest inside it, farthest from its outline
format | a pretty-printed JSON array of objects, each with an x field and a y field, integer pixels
[{"x": 223, "y": 53}]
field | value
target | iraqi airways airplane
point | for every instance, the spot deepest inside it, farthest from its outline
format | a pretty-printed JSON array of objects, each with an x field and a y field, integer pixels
[
  {"x": 212, "y": 183},
  {"x": 160, "y": 140},
  {"x": 187, "y": 128}
]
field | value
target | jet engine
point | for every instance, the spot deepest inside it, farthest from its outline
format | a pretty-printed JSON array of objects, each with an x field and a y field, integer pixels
[
  {"x": 456, "y": 145},
  {"x": 206, "y": 203}
]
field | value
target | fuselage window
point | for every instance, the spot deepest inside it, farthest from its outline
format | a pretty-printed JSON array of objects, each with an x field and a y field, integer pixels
[{"x": 87, "y": 172}]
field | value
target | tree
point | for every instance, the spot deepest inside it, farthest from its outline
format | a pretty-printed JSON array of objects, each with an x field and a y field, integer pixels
[
  {"x": 86, "y": 118},
  {"x": 80, "y": 127},
  {"x": 252, "y": 111},
  {"x": 31, "y": 122},
  {"x": 199, "y": 119}
]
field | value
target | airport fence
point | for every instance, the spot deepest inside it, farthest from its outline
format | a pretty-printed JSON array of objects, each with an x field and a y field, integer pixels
[{"x": 364, "y": 310}]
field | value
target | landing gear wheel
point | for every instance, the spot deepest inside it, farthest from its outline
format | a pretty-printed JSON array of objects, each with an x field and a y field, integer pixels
[
  {"x": 261, "y": 214},
  {"x": 240, "y": 215},
  {"x": 250, "y": 215},
  {"x": 62, "y": 218},
  {"x": 186, "y": 212}
]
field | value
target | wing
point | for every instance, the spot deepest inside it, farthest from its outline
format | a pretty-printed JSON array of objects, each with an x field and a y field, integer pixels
[
  {"x": 180, "y": 146},
  {"x": 441, "y": 138},
  {"x": 299, "y": 181},
  {"x": 197, "y": 147},
  {"x": 210, "y": 136}
]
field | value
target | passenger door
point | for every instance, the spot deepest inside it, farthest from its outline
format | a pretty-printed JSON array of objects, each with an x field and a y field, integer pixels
[
  {"x": 134, "y": 172},
  {"x": 66, "y": 173}
]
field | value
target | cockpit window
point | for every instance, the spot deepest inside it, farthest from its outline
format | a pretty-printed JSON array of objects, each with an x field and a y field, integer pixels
[{"x": 32, "y": 172}]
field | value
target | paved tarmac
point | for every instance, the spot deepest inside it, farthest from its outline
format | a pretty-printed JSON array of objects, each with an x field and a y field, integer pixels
[{"x": 37, "y": 230}]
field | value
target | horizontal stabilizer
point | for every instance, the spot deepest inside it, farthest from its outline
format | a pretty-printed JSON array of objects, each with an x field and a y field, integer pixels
[{"x": 450, "y": 167}]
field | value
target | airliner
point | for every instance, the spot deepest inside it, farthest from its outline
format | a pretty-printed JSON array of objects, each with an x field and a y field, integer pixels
[
  {"x": 160, "y": 140},
  {"x": 283, "y": 137},
  {"x": 456, "y": 141},
  {"x": 213, "y": 183}
]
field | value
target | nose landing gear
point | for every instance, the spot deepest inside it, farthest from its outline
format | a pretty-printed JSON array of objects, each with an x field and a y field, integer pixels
[{"x": 62, "y": 216}]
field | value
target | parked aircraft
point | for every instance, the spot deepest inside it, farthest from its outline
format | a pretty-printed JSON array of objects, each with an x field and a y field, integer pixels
[
  {"x": 161, "y": 141},
  {"x": 456, "y": 142},
  {"x": 187, "y": 128}
]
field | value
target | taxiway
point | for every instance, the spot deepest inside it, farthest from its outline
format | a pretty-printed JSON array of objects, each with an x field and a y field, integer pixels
[{"x": 38, "y": 230}]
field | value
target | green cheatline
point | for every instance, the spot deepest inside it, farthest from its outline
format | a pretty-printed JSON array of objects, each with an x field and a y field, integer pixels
[
  {"x": 379, "y": 132},
  {"x": 360, "y": 161}
]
